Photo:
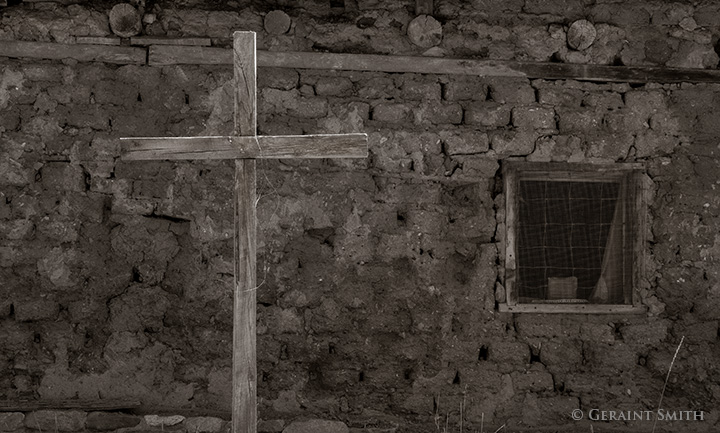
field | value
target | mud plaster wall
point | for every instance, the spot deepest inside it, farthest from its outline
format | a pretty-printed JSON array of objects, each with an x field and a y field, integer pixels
[{"x": 378, "y": 277}]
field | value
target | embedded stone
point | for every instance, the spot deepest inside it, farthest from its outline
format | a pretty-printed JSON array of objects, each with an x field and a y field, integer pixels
[
  {"x": 694, "y": 55},
  {"x": 513, "y": 143},
  {"x": 333, "y": 86},
  {"x": 512, "y": 91},
  {"x": 561, "y": 354},
  {"x": 467, "y": 143},
  {"x": 163, "y": 421},
  {"x": 310, "y": 108},
  {"x": 36, "y": 309},
  {"x": 56, "y": 420},
  {"x": 204, "y": 424},
  {"x": 56, "y": 266},
  {"x": 11, "y": 421},
  {"x": 438, "y": 114},
  {"x": 271, "y": 426},
  {"x": 463, "y": 89},
  {"x": 63, "y": 176},
  {"x": 278, "y": 78},
  {"x": 392, "y": 113},
  {"x": 532, "y": 381},
  {"x": 111, "y": 421},
  {"x": 317, "y": 426},
  {"x": 532, "y": 117},
  {"x": 16, "y": 229},
  {"x": 489, "y": 114},
  {"x": 509, "y": 352},
  {"x": 286, "y": 402},
  {"x": 649, "y": 334}
]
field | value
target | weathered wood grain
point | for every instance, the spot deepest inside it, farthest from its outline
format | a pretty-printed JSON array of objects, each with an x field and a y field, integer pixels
[
  {"x": 244, "y": 400},
  {"x": 245, "y": 71},
  {"x": 160, "y": 55},
  {"x": 424, "y": 31},
  {"x": 243, "y": 146},
  {"x": 572, "y": 308},
  {"x": 99, "y": 404},
  {"x": 158, "y": 40},
  {"x": 581, "y": 35},
  {"x": 167, "y": 55},
  {"x": 261, "y": 147},
  {"x": 510, "y": 175},
  {"x": 642, "y": 193},
  {"x": 124, "y": 20},
  {"x": 163, "y": 55},
  {"x": 79, "y": 52},
  {"x": 277, "y": 22},
  {"x": 97, "y": 40}
]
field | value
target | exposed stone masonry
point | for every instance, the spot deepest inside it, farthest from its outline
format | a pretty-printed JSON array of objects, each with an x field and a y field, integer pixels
[{"x": 378, "y": 278}]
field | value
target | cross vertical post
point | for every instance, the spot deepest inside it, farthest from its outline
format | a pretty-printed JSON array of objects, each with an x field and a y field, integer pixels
[
  {"x": 244, "y": 146},
  {"x": 244, "y": 398}
]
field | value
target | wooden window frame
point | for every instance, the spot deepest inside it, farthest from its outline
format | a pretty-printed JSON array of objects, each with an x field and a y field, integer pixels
[{"x": 631, "y": 175}]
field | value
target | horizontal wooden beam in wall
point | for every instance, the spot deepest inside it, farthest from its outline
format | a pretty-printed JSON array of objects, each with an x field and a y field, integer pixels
[
  {"x": 158, "y": 40},
  {"x": 170, "y": 55},
  {"x": 236, "y": 147},
  {"x": 100, "y": 404},
  {"x": 97, "y": 40},
  {"x": 79, "y": 52},
  {"x": 161, "y": 55},
  {"x": 572, "y": 308},
  {"x": 619, "y": 74}
]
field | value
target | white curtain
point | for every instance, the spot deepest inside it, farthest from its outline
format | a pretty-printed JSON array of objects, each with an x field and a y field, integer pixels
[{"x": 609, "y": 288}]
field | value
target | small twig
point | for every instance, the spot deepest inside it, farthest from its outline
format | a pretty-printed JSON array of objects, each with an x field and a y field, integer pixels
[
  {"x": 667, "y": 378},
  {"x": 482, "y": 422},
  {"x": 499, "y": 428},
  {"x": 437, "y": 414},
  {"x": 462, "y": 409}
]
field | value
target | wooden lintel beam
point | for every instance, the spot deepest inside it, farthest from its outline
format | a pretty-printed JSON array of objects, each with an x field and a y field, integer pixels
[
  {"x": 161, "y": 40},
  {"x": 239, "y": 147},
  {"x": 79, "y": 52},
  {"x": 99, "y": 404},
  {"x": 160, "y": 55},
  {"x": 170, "y": 55},
  {"x": 97, "y": 40}
]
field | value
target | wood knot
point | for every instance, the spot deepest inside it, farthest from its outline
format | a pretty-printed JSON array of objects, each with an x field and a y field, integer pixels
[{"x": 125, "y": 20}]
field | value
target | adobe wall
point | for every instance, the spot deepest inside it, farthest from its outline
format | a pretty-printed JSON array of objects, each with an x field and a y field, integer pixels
[{"x": 377, "y": 303}]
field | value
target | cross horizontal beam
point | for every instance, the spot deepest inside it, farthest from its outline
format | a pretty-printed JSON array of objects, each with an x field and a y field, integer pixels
[{"x": 246, "y": 147}]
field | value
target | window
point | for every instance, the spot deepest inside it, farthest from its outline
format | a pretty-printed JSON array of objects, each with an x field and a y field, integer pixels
[{"x": 575, "y": 235}]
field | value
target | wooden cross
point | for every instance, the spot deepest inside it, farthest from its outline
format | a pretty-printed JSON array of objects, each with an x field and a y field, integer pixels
[{"x": 244, "y": 146}]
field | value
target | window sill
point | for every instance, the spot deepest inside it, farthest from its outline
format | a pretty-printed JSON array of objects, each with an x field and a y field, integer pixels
[{"x": 572, "y": 308}]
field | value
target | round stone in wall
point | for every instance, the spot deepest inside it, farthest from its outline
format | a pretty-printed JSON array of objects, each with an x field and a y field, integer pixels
[
  {"x": 425, "y": 31},
  {"x": 581, "y": 35},
  {"x": 277, "y": 22},
  {"x": 125, "y": 20}
]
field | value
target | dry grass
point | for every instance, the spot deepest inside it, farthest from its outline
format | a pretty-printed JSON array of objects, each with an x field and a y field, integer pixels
[{"x": 667, "y": 378}]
